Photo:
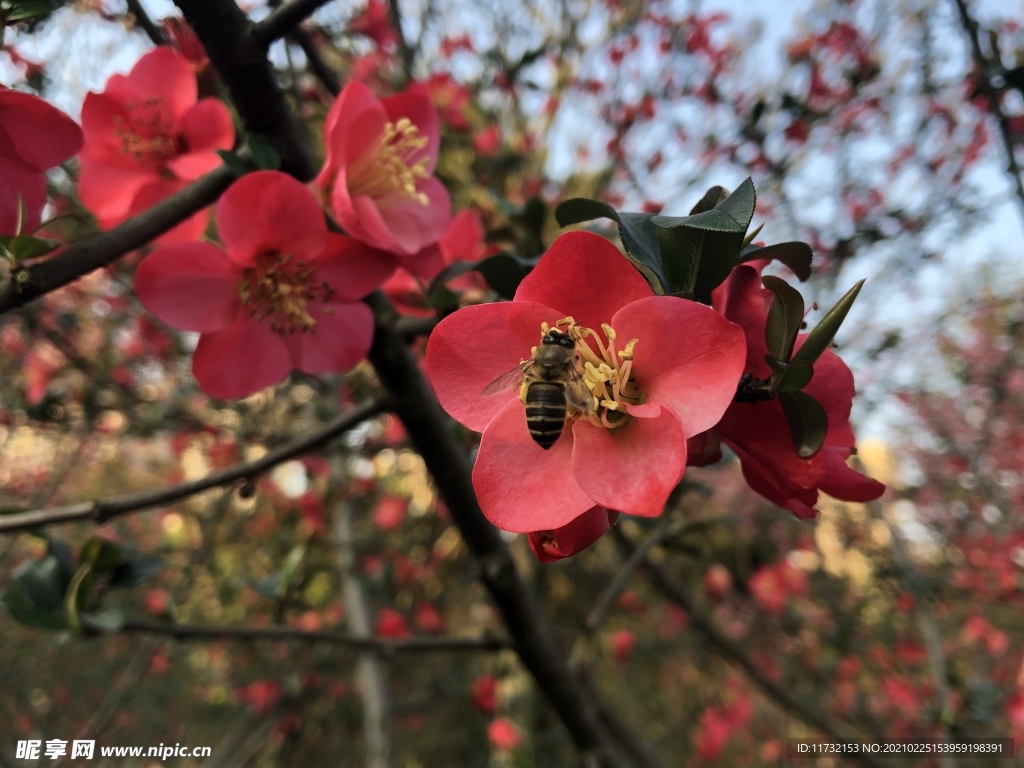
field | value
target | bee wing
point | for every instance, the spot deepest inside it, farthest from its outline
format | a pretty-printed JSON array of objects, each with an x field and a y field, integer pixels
[
  {"x": 507, "y": 380},
  {"x": 577, "y": 394}
]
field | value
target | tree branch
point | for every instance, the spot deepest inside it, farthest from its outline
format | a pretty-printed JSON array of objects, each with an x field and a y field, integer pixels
[
  {"x": 405, "y": 51},
  {"x": 732, "y": 652},
  {"x": 430, "y": 430},
  {"x": 101, "y": 510},
  {"x": 45, "y": 276},
  {"x": 145, "y": 23},
  {"x": 382, "y": 645},
  {"x": 284, "y": 20},
  {"x": 227, "y": 34},
  {"x": 984, "y": 67}
]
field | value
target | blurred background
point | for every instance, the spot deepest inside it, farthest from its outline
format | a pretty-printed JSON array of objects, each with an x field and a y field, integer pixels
[{"x": 883, "y": 133}]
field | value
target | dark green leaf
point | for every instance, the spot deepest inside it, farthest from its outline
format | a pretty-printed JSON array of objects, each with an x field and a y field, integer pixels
[
  {"x": 504, "y": 272},
  {"x": 62, "y": 551},
  {"x": 22, "y": 247},
  {"x": 107, "y": 621},
  {"x": 103, "y": 555},
  {"x": 43, "y": 581},
  {"x": 711, "y": 198},
  {"x": 24, "y": 611},
  {"x": 263, "y": 153},
  {"x": 638, "y": 234},
  {"x": 796, "y": 256},
  {"x": 444, "y": 299},
  {"x": 237, "y": 165},
  {"x": 698, "y": 252},
  {"x": 795, "y": 377},
  {"x": 807, "y": 421},
  {"x": 784, "y": 318},
  {"x": 817, "y": 341},
  {"x": 532, "y": 218},
  {"x": 446, "y": 275}
]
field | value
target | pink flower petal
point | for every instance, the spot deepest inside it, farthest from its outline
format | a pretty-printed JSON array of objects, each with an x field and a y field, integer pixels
[
  {"x": 354, "y": 124},
  {"x": 342, "y": 337},
  {"x": 743, "y": 300},
  {"x": 687, "y": 357},
  {"x": 162, "y": 75},
  {"x": 761, "y": 431},
  {"x": 832, "y": 386},
  {"x": 522, "y": 487},
  {"x": 463, "y": 240},
  {"x": 190, "y": 286},
  {"x": 632, "y": 469},
  {"x": 270, "y": 211},
  {"x": 574, "y": 537},
  {"x": 585, "y": 276},
  {"x": 426, "y": 264},
  {"x": 240, "y": 360},
  {"x": 352, "y": 269},
  {"x": 417, "y": 107},
  {"x": 474, "y": 346},
  {"x": 206, "y": 127},
  {"x": 40, "y": 134},
  {"x": 846, "y": 484},
  {"x": 30, "y": 184},
  {"x": 414, "y": 225},
  {"x": 765, "y": 482},
  {"x": 109, "y": 191}
]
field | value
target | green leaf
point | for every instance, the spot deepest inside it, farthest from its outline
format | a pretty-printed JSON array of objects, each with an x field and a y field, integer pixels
[
  {"x": 27, "y": 9},
  {"x": 698, "y": 252},
  {"x": 103, "y": 555},
  {"x": 43, "y": 582},
  {"x": 22, "y": 247},
  {"x": 446, "y": 275},
  {"x": 796, "y": 256},
  {"x": 795, "y": 377},
  {"x": 638, "y": 233},
  {"x": 107, "y": 621},
  {"x": 77, "y": 598},
  {"x": 237, "y": 165},
  {"x": 504, "y": 272},
  {"x": 712, "y": 197},
  {"x": 134, "y": 571},
  {"x": 784, "y": 318},
  {"x": 24, "y": 611},
  {"x": 444, "y": 299},
  {"x": 817, "y": 341},
  {"x": 290, "y": 568},
  {"x": 263, "y": 153},
  {"x": 807, "y": 421}
]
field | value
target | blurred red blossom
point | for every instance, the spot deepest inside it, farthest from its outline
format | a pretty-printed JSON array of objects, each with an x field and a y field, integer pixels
[
  {"x": 503, "y": 734},
  {"x": 485, "y": 694},
  {"x": 391, "y": 624}
]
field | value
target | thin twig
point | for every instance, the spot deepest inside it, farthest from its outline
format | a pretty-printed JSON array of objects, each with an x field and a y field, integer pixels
[
  {"x": 283, "y": 20},
  {"x": 379, "y": 644},
  {"x": 101, "y": 510},
  {"x": 145, "y": 23},
  {"x": 732, "y": 652},
  {"x": 984, "y": 66},
  {"x": 320, "y": 68},
  {"x": 79, "y": 260},
  {"x": 405, "y": 52}
]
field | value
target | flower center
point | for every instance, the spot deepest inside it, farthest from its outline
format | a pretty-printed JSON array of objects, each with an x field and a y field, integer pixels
[
  {"x": 387, "y": 171},
  {"x": 279, "y": 290},
  {"x": 605, "y": 371},
  {"x": 146, "y": 134}
]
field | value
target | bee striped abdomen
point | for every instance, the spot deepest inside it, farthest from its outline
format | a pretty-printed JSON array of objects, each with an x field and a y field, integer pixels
[{"x": 545, "y": 412}]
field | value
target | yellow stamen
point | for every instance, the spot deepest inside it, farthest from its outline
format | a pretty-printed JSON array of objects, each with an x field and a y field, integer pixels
[
  {"x": 279, "y": 290},
  {"x": 387, "y": 171}
]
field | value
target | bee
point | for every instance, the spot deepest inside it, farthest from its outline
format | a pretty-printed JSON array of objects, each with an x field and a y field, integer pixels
[{"x": 553, "y": 382}]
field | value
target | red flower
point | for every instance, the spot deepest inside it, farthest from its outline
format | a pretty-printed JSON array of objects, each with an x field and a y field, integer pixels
[
  {"x": 390, "y": 623},
  {"x": 503, "y": 734},
  {"x": 462, "y": 241},
  {"x": 574, "y": 536},
  {"x": 429, "y": 619},
  {"x": 375, "y": 23},
  {"x": 759, "y": 433},
  {"x": 284, "y": 295},
  {"x": 485, "y": 694},
  {"x": 717, "y": 580},
  {"x": 185, "y": 40},
  {"x": 678, "y": 363},
  {"x": 487, "y": 142},
  {"x": 34, "y": 136},
  {"x": 389, "y": 512},
  {"x": 622, "y": 642},
  {"x": 450, "y": 98},
  {"x": 377, "y": 177},
  {"x": 146, "y": 137}
]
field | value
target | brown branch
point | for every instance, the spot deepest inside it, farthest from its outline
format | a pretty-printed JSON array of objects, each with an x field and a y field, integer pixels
[
  {"x": 145, "y": 23},
  {"x": 733, "y": 653},
  {"x": 405, "y": 51},
  {"x": 984, "y": 67},
  {"x": 101, "y": 510},
  {"x": 431, "y": 432},
  {"x": 380, "y": 644},
  {"x": 32, "y": 282},
  {"x": 283, "y": 20},
  {"x": 227, "y": 34},
  {"x": 320, "y": 68}
]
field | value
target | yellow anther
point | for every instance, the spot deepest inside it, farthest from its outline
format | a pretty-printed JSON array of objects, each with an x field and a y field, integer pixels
[
  {"x": 627, "y": 353},
  {"x": 608, "y": 331},
  {"x": 611, "y": 405}
]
